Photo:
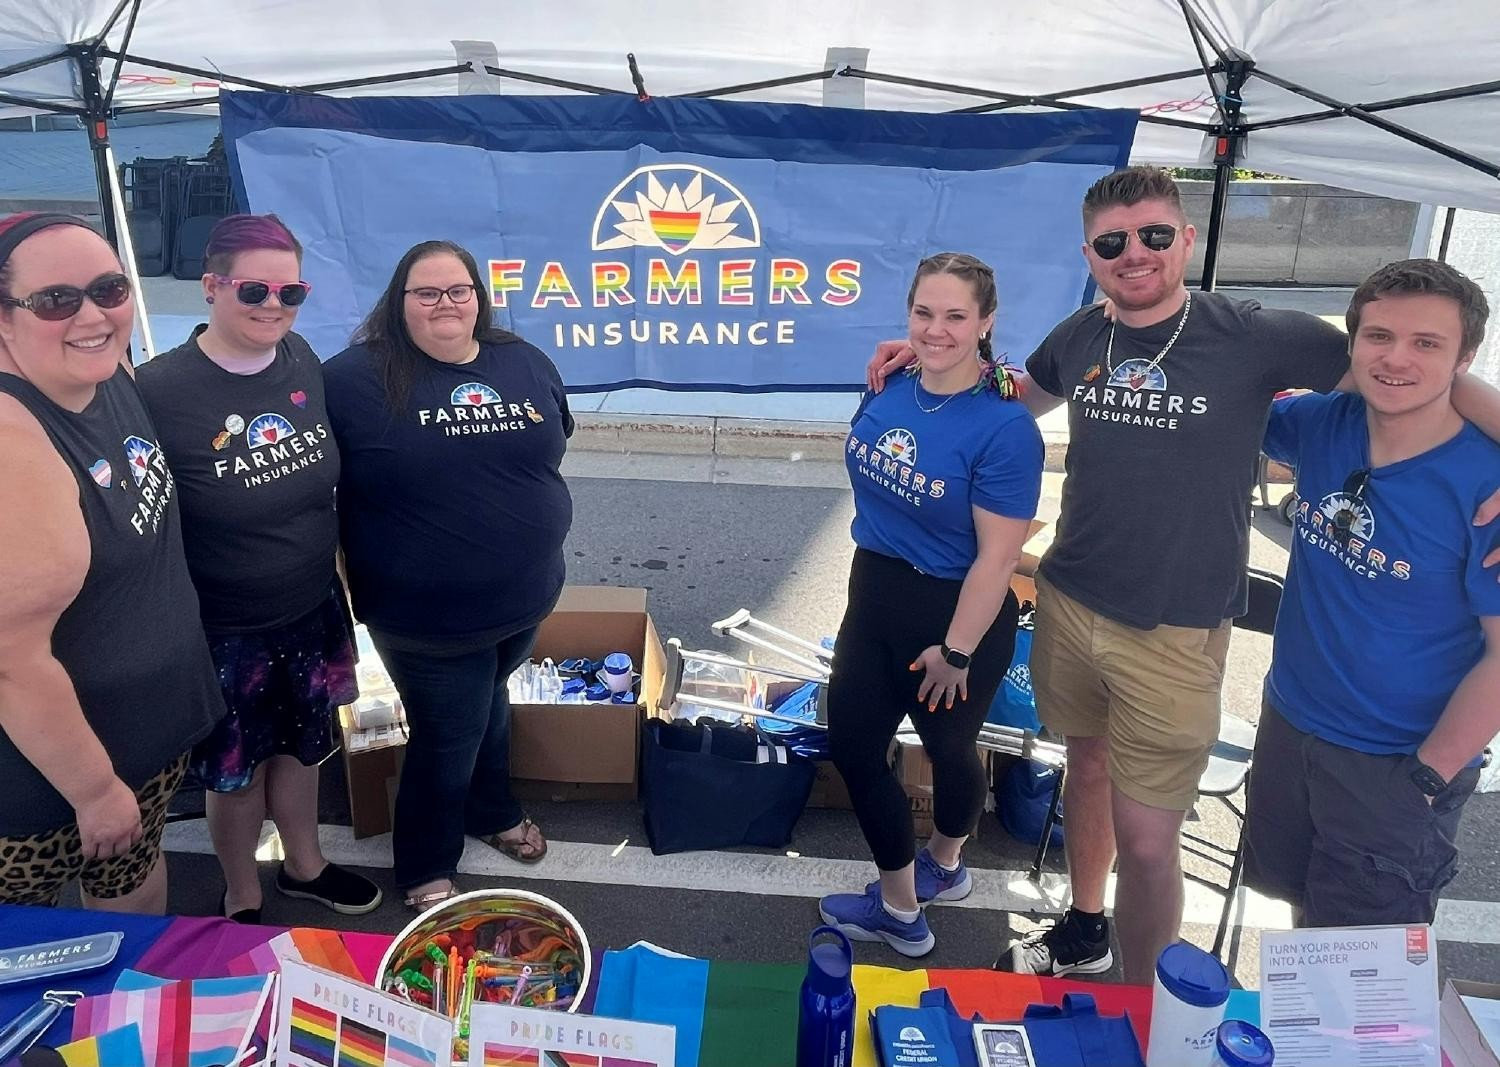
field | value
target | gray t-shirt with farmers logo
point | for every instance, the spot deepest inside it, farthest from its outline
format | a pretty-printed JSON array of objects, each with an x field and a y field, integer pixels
[{"x": 1156, "y": 506}]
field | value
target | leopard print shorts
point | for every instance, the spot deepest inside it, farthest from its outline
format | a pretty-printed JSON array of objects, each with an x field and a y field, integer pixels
[{"x": 36, "y": 868}]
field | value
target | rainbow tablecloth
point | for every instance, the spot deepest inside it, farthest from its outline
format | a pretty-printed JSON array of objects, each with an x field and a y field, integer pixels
[{"x": 726, "y": 1014}]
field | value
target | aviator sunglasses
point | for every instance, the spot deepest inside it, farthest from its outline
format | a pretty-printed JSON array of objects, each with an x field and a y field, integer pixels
[
  {"x": 252, "y": 293},
  {"x": 1341, "y": 527},
  {"x": 58, "y": 302},
  {"x": 1158, "y": 237}
]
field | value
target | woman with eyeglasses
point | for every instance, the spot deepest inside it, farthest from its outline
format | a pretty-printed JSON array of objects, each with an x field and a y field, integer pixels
[
  {"x": 239, "y": 407},
  {"x": 105, "y": 677},
  {"x": 453, "y": 510}
]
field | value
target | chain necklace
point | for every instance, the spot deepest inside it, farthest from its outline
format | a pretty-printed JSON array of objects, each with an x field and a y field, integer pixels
[
  {"x": 1138, "y": 378},
  {"x": 917, "y": 396}
]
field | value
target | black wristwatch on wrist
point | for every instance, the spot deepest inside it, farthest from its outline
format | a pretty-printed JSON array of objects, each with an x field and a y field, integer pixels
[
  {"x": 1428, "y": 780},
  {"x": 954, "y": 658}
]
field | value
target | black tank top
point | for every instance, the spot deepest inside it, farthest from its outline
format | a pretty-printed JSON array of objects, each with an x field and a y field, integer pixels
[{"x": 131, "y": 641}]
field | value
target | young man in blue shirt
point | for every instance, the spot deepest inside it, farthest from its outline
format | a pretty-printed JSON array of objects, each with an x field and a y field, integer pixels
[{"x": 1384, "y": 685}]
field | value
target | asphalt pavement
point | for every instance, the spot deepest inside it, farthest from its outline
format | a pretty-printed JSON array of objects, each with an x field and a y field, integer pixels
[{"x": 703, "y": 549}]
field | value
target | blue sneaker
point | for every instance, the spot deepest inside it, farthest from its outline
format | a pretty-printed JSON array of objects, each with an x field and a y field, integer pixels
[
  {"x": 862, "y": 917},
  {"x": 934, "y": 883}
]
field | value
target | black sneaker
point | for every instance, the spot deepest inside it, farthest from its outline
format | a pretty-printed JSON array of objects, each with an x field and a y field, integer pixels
[
  {"x": 1063, "y": 948},
  {"x": 344, "y": 891},
  {"x": 245, "y": 916}
]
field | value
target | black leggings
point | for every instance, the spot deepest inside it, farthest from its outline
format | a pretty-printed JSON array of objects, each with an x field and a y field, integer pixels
[{"x": 895, "y": 612}]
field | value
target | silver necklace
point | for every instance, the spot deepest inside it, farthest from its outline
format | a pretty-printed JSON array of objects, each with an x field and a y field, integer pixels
[
  {"x": 917, "y": 396},
  {"x": 1109, "y": 350}
]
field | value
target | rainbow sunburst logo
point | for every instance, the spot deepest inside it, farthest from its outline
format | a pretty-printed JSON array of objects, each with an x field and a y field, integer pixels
[
  {"x": 676, "y": 207},
  {"x": 900, "y": 445}
]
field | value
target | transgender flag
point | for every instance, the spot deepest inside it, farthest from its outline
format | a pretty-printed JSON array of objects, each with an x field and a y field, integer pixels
[
  {"x": 403, "y": 1053},
  {"x": 182, "y": 1023}
]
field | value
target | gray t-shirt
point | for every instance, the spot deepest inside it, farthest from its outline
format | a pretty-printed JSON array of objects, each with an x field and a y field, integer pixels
[{"x": 1156, "y": 506}]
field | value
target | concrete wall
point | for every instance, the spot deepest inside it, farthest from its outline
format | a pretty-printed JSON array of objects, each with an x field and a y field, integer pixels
[
  {"x": 1298, "y": 234},
  {"x": 1474, "y": 248}
]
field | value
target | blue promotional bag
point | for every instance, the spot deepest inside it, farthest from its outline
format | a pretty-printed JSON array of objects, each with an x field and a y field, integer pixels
[{"x": 1015, "y": 703}]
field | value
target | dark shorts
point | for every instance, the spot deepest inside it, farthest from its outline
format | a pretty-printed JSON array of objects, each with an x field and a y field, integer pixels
[
  {"x": 283, "y": 688},
  {"x": 1346, "y": 836},
  {"x": 34, "y": 869}
]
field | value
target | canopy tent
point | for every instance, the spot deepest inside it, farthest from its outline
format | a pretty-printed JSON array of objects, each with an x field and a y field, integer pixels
[{"x": 1381, "y": 96}]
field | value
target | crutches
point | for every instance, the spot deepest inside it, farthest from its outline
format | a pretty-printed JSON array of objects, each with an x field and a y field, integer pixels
[
  {"x": 678, "y": 658},
  {"x": 741, "y": 624}
]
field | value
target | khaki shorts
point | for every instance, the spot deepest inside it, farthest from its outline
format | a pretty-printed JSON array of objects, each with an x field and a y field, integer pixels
[{"x": 1153, "y": 693}]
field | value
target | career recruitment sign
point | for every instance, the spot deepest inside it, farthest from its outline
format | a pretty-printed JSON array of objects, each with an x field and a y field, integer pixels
[{"x": 682, "y": 244}]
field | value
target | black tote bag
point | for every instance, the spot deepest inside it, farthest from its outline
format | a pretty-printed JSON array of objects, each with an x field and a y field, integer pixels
[{"x": 703, "y": 788}]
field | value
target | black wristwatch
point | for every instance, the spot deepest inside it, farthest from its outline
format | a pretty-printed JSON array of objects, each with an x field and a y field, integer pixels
[
  {"x": 1428, "y": 780},
  {"x": 954, "y": 658}
]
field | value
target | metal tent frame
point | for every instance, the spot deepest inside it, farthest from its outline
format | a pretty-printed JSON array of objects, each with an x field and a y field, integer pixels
[{"x": 1226, "y": 70}]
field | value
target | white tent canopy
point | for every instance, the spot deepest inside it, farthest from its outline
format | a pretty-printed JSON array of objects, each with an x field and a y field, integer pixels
[{"x": 1424, "y": 73}]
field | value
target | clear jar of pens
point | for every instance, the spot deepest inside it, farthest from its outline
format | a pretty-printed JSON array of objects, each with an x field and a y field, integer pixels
[{"x": 501, "y": 946}]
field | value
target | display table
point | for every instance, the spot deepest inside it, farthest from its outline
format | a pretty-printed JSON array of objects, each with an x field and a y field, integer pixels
[{"x": 726, "y": 1014}]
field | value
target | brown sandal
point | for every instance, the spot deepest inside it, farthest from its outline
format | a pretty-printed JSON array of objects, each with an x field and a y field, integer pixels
[
  {"x": 423, "y": 902},
  {"x": 522, "y": 850}
]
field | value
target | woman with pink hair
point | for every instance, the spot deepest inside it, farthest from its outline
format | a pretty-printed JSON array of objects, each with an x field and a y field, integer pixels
[{"x": 239, "y": 407}]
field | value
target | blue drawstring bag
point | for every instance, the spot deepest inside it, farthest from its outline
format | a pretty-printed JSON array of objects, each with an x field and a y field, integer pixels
[
  {"x": 1015, "y": 703},
  {"x": 1022, "y": 800}
]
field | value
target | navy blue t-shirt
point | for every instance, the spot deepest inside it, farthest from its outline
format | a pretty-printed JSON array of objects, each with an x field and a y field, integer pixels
[
  {"x": 1374, "y": 636},
  {"x": 452, "y": 511},
  {"x": 918, "y": 473}
]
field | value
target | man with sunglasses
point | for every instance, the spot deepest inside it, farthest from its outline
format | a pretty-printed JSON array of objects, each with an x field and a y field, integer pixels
[
  {"x": 1382, "y": 690},
  {"x": 1167, "y": 403}
]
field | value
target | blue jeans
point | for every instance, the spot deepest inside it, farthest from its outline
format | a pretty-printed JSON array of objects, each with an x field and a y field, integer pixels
[{"x": 456, "y": 776}]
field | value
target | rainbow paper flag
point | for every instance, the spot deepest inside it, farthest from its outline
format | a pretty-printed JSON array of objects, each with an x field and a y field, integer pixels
[
  {"x": 403, "y": 1053},
  {"x": 360, "y": 1045},
  {"x": 510, "y": 1056},
  {"x": 116, "y": 1048},
  {"x": 745, "y": 1014},
  {"x": 313, "y": 1032}
]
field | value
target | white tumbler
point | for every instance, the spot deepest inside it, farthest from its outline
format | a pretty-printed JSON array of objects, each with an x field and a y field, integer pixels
[{"x": 1187, "y": 1005}]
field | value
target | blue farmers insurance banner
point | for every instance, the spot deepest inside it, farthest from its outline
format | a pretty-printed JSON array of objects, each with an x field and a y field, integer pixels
[{"x": 683, "y": 244}]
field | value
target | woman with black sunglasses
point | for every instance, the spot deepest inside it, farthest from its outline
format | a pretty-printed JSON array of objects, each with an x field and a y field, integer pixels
[
  {"x": 105, "y": 677},
  {"x": 453, "y": 510},
  {"x": 240, "y": 410}
]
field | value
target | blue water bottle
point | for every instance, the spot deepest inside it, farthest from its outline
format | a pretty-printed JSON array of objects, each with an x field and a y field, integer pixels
[{"x": 825, "y": 1027}]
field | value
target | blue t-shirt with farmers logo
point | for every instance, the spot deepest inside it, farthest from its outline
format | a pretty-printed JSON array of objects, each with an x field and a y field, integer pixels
[
  {"x": 919, "y": 468},
  {"x": 1376, "y": 634}
]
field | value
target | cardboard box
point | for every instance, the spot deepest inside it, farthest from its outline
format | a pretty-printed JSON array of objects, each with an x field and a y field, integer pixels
[
  {"x": 1465, "y": 1042},
  {"x": 829, "y": 789},
  {"x": 914, "y": 772},
  {"x": 588, "y": 751},
  {"x": 372, "y": 769}
]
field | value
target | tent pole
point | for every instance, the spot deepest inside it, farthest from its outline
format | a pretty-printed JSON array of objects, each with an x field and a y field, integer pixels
[
  {"x": 1447, "y": 234},
  {"x": 1226, "y": 151},
  {"x": 96, "y": 122}
]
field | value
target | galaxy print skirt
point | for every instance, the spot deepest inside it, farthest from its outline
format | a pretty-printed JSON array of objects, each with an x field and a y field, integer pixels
[{"x": 283, "y": 688}]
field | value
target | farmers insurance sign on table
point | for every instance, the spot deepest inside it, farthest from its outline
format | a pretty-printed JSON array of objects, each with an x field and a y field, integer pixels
[{"x": 679, "y": 243}]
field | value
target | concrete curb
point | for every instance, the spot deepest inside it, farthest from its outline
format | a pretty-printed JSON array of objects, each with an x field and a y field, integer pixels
[{"x": 694, "y": 435}]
